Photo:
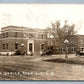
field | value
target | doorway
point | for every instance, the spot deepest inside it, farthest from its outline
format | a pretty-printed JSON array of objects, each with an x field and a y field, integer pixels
[{"x": 30, "y": 47}]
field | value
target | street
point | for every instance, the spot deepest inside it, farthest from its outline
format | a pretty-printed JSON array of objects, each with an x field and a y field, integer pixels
[{"x": 35, "y": 68}]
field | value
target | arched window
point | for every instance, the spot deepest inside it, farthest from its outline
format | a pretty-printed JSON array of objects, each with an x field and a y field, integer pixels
[{"x": 30, "y": 36}]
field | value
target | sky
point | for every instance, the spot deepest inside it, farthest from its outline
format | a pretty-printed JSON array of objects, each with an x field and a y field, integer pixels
[{"x": 42, "y": 15}]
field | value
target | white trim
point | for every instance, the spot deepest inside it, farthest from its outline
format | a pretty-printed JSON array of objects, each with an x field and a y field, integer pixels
[
  {"x": 10, "y": 38},
  {"x": 10, "y": 53},
  {"x": 30, "y": 41},
  {"x": 23, "y": 29},
  {"x": 23, "y": 32}
]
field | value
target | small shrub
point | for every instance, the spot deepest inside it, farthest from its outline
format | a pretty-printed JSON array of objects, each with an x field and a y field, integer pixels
[
  {"x": 18, "y": 52},
  {"x": 7, "y": 54}
]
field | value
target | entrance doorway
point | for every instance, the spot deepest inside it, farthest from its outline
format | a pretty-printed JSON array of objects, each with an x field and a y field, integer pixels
[{"x": 30, "y": 47}]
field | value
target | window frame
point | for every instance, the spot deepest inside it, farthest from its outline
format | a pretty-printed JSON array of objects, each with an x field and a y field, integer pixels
[
  {"x": 3, "y": 46},
  {"x": 16, "y": 45},
  {"x": 16, "y": 34},
  {"x": 6, "y": 34},
  {"x": 6, "y": 45}
]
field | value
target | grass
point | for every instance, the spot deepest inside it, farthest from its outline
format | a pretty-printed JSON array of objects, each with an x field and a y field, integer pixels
[
  {"x": 19, "y": 64},
  {"x": 41, "y": 64}
]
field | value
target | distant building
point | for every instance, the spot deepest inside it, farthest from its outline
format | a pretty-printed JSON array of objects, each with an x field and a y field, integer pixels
[
  {"x": 81, "y": 41},
  {"x": 13, "y": 38},
  {"x": 73, "y": 43}
]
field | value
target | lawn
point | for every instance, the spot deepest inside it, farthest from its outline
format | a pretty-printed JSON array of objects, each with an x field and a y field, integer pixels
[{"x": 40, "y": 68}]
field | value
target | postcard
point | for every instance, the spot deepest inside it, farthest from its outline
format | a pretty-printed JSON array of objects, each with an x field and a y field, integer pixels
[{"x": 41, "y": 42}]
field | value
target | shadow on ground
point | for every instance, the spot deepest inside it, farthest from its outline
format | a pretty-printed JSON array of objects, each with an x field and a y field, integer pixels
[{"x": 68, "y": 61}]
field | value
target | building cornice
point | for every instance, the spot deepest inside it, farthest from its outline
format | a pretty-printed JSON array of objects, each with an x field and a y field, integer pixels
[
  {"x": 22, "y": 39},
  {"x": 24, "y": 29},
  {"x": 23, "y": 32}
]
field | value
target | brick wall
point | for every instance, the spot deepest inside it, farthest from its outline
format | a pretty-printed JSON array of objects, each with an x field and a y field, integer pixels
[{"x": 11, "y": 44}]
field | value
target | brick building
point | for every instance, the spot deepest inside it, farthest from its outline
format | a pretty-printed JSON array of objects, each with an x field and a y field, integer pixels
[
  {"x": 81, "y": 41},
  {"x": 13, "y": 38},
  {"x": 73, "y": 43}
]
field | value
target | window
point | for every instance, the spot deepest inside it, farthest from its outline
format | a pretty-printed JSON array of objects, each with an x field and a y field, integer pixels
[
  {"x": 48, "y": 48},
  {"x": 16, "y": 34},
  {"x": 42, "y": 46},
  {"x": 73, "y": 49},
  {"x": 30, "y": 47},
  {"x": 6, "y": 34},
  {"x": 16, "y": 45},
  {"x": 30, "y": 36},
  {"x": 6, "y": 45},
  {"x": 48, "y": 36},
  {"x": 3, "y": 35},
  {"x": 42, "y": 36},
  {"x": 3, "y": 46}
]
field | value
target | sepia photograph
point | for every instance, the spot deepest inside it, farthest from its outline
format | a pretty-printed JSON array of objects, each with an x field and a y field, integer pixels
[{"x": 42, "y": 42}]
